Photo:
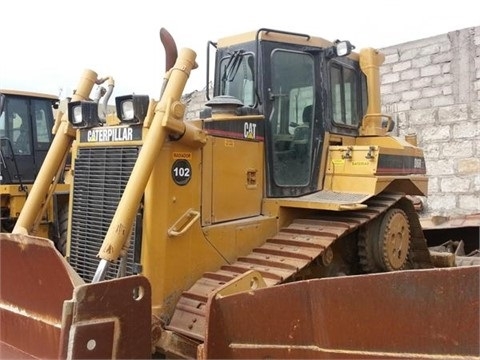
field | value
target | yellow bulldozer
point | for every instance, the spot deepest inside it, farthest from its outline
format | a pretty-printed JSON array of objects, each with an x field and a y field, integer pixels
[
  {"x": 27, "y": 123},
  {"x": 276, "y": 225}
]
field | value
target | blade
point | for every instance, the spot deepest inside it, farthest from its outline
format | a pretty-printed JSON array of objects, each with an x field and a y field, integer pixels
[{"x": 430, "y": 313}]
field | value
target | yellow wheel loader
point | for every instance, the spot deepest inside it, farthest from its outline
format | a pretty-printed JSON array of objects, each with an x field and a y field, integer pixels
[
  {"x": 26, "y": 123},
  {"x": 276, "y": 225}
]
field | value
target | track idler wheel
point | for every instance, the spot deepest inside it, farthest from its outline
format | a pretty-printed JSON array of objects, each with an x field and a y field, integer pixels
[{"x": 384, "y": 244}]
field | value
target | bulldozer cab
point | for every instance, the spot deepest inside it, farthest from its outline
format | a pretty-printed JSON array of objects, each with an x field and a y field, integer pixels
[
  {"x": 26, "y": 120},
  {"x": 327, "y": 94}
]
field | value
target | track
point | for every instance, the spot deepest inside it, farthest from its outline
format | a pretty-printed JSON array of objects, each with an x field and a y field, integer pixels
[{"x": 292, "y": 249}]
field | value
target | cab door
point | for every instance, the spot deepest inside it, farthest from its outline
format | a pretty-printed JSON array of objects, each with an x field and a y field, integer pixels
[{"x": 292, "y": 131}]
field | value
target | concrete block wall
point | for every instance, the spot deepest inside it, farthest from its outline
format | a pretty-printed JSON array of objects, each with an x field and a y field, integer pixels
[
  {"x": 195, "y": 102},
  {"x": 432, "y": 88}
]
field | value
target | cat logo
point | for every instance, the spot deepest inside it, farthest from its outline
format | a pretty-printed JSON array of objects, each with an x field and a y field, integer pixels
[{"x": 249, "y": 130}]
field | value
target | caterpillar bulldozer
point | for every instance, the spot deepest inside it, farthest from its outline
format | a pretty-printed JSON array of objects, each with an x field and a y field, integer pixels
[
  {"x": 26, "y": 123},
  {"x": 276, "y": 225}
]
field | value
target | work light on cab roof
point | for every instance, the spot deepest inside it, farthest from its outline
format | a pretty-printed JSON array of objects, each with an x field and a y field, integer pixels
[{"x": 340, "y": 48}]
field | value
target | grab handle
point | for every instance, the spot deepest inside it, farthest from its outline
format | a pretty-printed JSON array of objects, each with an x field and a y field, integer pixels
[{"x": 184, "y": 223}]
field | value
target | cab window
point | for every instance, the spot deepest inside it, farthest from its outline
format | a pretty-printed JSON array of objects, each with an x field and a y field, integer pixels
[
  {"x": 344, "y": 96},
  {"x": 18, "y": 125},
  {"x": 237, "y": 77},
  {"x": 43, "y": 121}
]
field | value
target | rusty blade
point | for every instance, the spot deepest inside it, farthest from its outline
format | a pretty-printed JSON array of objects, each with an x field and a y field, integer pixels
[
  {"x": 109, "y": 320},
  {"x": 47, "y": 311},
  {"x": 430, "y": 313},
  {"x": 35, "y": 280}
]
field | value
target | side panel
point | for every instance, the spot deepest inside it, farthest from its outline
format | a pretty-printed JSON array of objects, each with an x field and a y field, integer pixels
[
  {"x": 237, "y": 179},
  {"x": 375, "y": 164},
  {"x": 174, "y": 261}
]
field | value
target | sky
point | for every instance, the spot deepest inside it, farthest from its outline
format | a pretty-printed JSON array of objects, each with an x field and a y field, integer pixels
[{"x": 46, "y": 45}]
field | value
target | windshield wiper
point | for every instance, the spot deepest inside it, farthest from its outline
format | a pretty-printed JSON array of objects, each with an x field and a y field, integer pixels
[{"x": 232, "y": 66}]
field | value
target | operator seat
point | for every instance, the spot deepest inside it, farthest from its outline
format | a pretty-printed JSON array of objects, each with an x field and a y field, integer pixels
[{"x": 301, "y": 134}]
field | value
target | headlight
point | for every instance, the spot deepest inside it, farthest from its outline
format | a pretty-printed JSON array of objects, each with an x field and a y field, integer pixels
[
  {"x": 77, "y": 115},
  {"x": 132, "y": 109},
  {"x": 83, "y": 114},
  {"x": 127, "y": 110}
]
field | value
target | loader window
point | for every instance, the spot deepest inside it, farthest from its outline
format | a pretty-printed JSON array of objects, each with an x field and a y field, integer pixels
[
  {"x": 344, "y": 95},
  {"x": 43, "y": 122},
  {"x": 237, "y": 77},
  {"x": 290, "y": 121},
  {"x": 19, "y": 132}
]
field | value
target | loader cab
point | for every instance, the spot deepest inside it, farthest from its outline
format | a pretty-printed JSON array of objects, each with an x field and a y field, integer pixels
[
  {"x": 26, "y": 122},
  {"x": 304, "y": 89}
]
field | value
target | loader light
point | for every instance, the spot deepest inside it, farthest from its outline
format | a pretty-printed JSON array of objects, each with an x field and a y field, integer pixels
[
  {"x": 339, "y": 48},
  {"x": 132, "y": 109},
  {"x": 83, "y": 114},
  {"x": 344, "y": 48}
]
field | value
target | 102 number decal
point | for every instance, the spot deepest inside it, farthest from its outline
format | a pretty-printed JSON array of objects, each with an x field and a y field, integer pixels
[{"x": 181, "y": 172}]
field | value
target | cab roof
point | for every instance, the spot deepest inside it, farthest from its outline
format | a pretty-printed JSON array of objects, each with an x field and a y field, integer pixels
[
  {"x": 28, "y": 94},
  {"x": 278, "y": 36}
]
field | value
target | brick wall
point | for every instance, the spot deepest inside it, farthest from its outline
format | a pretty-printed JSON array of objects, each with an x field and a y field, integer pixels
[{"x": 432, "y": 88}]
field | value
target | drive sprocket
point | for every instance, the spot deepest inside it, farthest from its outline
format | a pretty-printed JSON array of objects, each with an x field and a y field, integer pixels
[
  {"x": 394, "y": 240},
  {"x": 384, "y": 244}
]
